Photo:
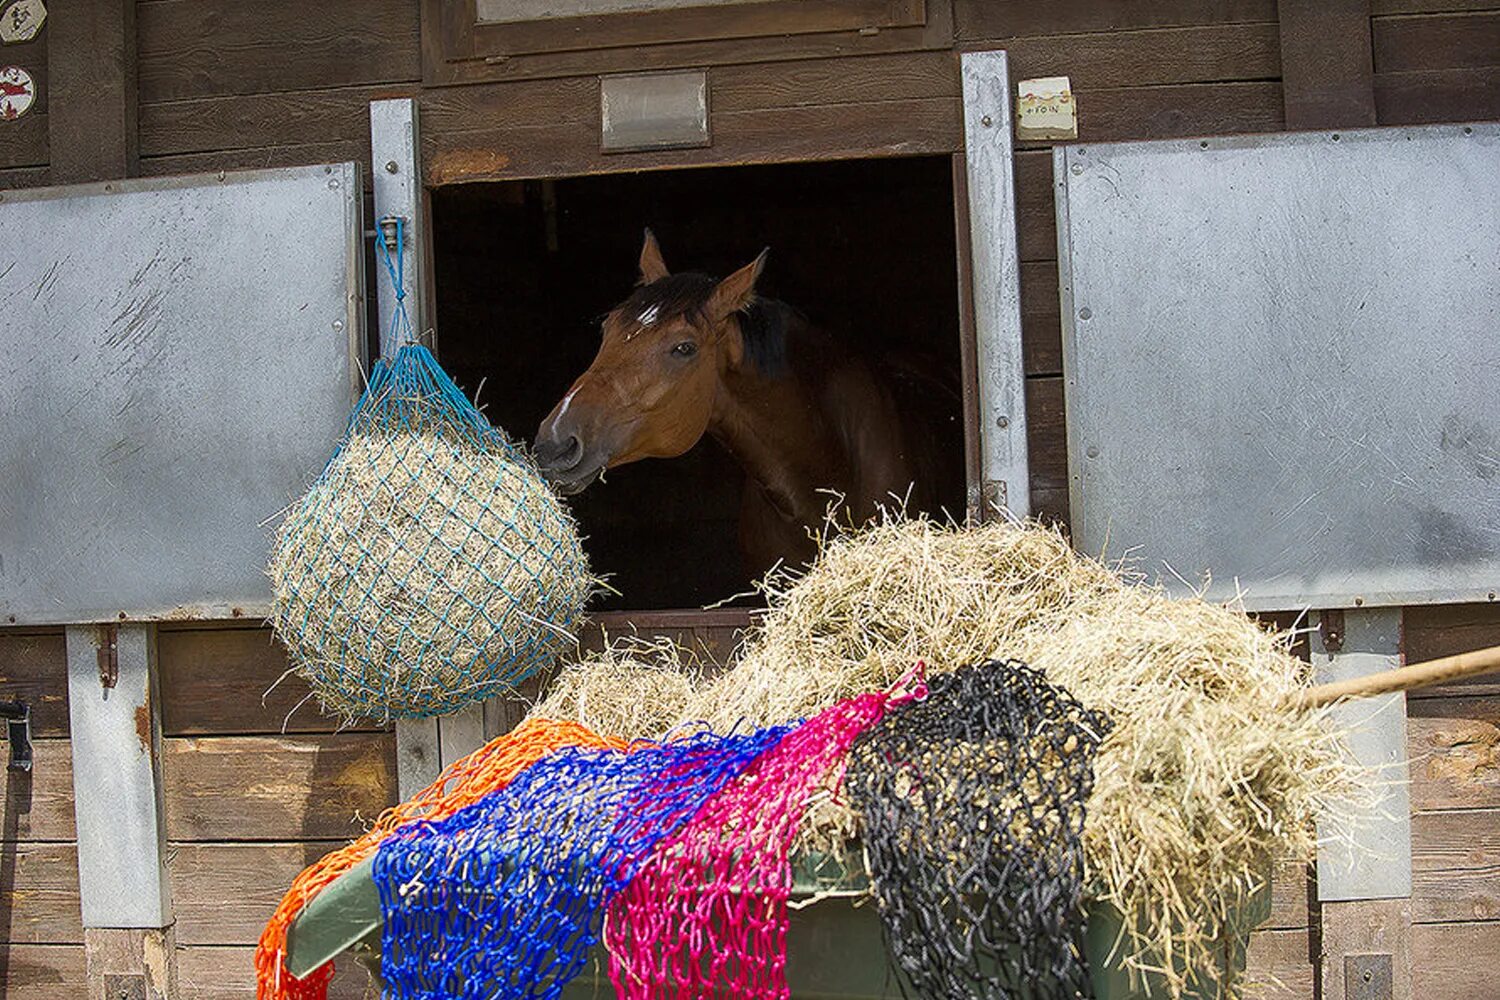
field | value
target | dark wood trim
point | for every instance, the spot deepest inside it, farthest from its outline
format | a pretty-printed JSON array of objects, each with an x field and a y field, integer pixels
[
  {"x": 618, "y": 621},
  {"x": 91, "y": 116},
  {"x": 1327, "y": 69},
  {"x": 457, "y": 50}
]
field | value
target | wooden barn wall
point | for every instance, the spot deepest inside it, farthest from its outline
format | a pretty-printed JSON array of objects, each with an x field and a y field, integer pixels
[
  {"x": 218, "y": 84},
  {"x": 41, "y": 927},
  {"x": 257, "y": 786}
]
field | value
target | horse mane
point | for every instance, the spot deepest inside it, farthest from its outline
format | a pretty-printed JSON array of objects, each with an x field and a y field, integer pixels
[{"x": 763, "y": 323}]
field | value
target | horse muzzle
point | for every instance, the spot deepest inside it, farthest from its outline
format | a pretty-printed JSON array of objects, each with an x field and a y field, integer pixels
[{"x": 565, "y": 463}]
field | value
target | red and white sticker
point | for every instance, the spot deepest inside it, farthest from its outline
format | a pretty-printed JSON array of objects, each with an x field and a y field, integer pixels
[
  {"x": 20, "y": 20},
  {"x": 17, "y": 92}
]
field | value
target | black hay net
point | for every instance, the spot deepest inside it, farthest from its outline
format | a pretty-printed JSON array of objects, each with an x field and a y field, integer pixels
[{"x": 972, "y": 802}]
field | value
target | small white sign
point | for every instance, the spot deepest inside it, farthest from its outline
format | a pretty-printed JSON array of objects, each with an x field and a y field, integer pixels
[
  {"x": 17, "y": 92},
  {"x": 20, "y": 20},
  {"x": 1045, "y": 109}
]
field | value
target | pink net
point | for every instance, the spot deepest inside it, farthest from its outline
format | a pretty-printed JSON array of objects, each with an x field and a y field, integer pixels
[{"x": 707, "y": 915}]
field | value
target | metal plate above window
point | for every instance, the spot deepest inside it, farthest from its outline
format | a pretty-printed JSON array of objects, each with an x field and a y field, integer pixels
[
  {"x": 511, "y": 11},
  {"x": 640, "y": 111},
  {"x": 178, "y": 358},
  {"x": 1281, "y": 358}
]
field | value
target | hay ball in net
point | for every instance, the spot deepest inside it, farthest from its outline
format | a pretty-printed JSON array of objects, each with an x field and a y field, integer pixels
[{"x": 425, "y": 570}]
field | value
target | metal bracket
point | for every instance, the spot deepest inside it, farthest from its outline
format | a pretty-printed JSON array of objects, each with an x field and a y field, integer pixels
[
  {"x": 125, "y": 988},
  {"x": 1368, "y": 977},
  {"x": 109, "y": 656},
  {"x": 1331, "y": 629},
  {"x": 17, "y": 716}
]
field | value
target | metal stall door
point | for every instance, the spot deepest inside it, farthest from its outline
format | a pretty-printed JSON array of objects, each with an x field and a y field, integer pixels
[{"x": 178, "y": 358}]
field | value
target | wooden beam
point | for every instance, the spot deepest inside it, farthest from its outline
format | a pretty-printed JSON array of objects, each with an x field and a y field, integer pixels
[
  {"x": 1327, "y": 72},
  {"x": 91, "y": 113}
]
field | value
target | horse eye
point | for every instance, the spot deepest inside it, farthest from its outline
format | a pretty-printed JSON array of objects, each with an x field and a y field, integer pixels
[{"x": 686, "y": 349}]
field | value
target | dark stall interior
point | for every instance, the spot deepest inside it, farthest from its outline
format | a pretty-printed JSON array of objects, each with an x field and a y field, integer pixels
[{"x": 525, "y": 271}]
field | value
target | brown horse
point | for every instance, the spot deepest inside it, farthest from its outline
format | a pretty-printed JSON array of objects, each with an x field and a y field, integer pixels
[{"x": 807, "y": 418}]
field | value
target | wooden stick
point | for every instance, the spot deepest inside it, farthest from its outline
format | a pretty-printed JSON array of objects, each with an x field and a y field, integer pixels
[{"x": 1447, "y": 668}]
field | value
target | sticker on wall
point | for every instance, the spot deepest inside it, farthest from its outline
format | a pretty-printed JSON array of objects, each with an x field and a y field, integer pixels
[
  {"x": 20, "y": 20},
  {"x": 17, "y": 92},
  {"x": 1045, "y": 109}
]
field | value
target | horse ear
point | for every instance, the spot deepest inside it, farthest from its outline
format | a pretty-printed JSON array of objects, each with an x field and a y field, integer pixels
[
  {"x": 738, "y": 290},
  {"x": 653, "y": 268}
]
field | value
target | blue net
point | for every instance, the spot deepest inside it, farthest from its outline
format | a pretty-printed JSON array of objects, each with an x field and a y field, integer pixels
[
  {"x": 429, "y": 565},
  {"x": 504, "y": 899}
]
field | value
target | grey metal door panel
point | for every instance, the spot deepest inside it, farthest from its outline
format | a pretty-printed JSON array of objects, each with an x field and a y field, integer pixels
[
  {"x": 177, "y": 359},
  {"x": 1283, "y": 362}
]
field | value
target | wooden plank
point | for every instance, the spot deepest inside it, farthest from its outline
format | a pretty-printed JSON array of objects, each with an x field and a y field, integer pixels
[
  {"x": 1204, "y": 54},
  {"x": 223, "y": 894},
  {"x": 1041, "y": 320},
  {"x": 1466, "y": 838},
  {"x": 1047, "y": 443},
  {"x": 894, "y": 128},
  {"x": 224, "y": 681},
  {"x": 209, "y": 973},
  {"x": 1455, "y": 895},
  {"x": 92, "y": 114},
  {"x": 1379, "y": 7},
  {"x": 1455, "y": 762},
  {"x": 214, "y": 124},
  {"x": 1325, "y": 63},
  {"x": 39, "y": 802},
  {"x": 190, "y": 48},
  {"x": 34, "y": 668},
  {"x": 1036, "y": 214},
  {"x": 805, "y": 82},
  {"x": 1445, "y": 95},
  {"x": 39, "y": 894},
  {"x": 25, "y": 142},
  {"x": 976, "y": 20},
  {"x": 116, "y": 741},
  {"x": 1455, "y": 961},
  {"x": 267, "y": 788},
  {"x": 1429, "y": 632},
  {"x": 1279, "y": 966},
  {"x": 24, "y": 177},
  {"x": 147, "y": 956},
  {"x": 1436, "y": 41},
  {"x": 1178, "y": 111},
  {"x": 43, "y": 971},
  {"x": 1289, "y": 896},
  {"x": 262, "y": 158}
]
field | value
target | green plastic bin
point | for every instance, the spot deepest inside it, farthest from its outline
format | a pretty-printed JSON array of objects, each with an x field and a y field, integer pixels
[{"x": 835, "y": 950}]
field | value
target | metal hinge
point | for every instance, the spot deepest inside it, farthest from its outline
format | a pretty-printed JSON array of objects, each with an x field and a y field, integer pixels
[
  {"x": 109, "y": 656},
  {"x": 1331, "y": 629}
]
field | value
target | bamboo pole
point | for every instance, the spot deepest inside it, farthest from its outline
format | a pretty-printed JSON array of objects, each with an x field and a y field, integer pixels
[{"x": 1417, "y": 675}]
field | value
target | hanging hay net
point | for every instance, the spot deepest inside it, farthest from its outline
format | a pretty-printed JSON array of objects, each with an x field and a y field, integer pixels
[
  {"x": 463, "y": 783},
  {"x": 707, "y": 914},
  {"x": 504, "y": 898},
  {"x": 429, "y": 566},
  {"x": 971, "y": 805},
  {"x": 1205, "y": 778}
]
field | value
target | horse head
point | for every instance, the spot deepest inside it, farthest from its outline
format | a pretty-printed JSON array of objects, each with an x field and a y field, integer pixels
[{"x": 650, "y": 390}]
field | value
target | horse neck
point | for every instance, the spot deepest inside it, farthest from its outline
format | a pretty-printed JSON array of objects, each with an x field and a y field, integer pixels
[{"x": 777, "y": 429}]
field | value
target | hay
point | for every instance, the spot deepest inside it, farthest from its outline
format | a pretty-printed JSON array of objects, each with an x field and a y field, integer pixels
[
  {"x": 1205, "y": 778},
  {"x": 630, "y": 688},
  {"x": 422, "y": 572}
]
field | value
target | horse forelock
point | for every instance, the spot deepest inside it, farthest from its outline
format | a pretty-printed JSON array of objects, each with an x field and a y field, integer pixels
[{"x": 763, "y": 324}]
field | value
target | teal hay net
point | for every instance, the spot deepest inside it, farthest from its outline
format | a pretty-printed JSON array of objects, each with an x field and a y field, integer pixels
[
  {"x": 971, "y": 805},
  {"x": 429, "y": 565},
  {"x": 504, "y": 899}
]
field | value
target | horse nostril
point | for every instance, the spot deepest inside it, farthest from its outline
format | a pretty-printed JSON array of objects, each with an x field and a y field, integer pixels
[{"x": 559, "y": 456}]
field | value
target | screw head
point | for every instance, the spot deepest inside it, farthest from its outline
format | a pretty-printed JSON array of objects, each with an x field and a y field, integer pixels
[
  {"x": 338, "y": 324},
  {"x": 391, "y": 167},
  {"x": 333, "y": 185},
  {"x": 1077, "y": 169},
  {"x": 1085, "y": 313},
  {"x": 986, "y": 121},
  {"x": 1092, "y": 451},
  {"x": 1002, "y": 422}
]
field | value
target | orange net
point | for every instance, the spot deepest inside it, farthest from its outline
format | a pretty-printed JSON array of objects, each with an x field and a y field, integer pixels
[{"x": 462, "y": 783}]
